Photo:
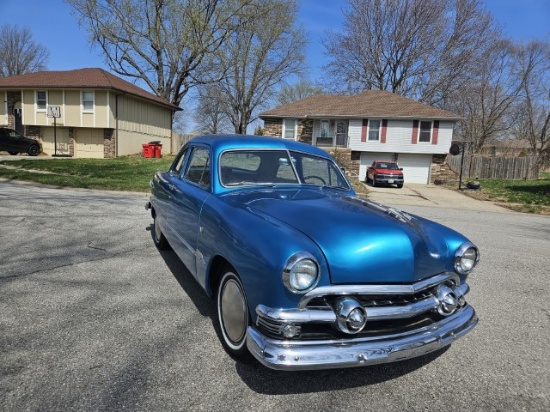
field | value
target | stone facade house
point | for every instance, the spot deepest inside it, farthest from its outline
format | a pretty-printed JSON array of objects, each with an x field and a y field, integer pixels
[
  {"x": 373, "y": 125},
  {"x": 100, "y": 115}
]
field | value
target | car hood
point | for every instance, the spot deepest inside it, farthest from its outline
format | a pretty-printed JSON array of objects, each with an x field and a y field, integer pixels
[
  {"x": 389, "y": 171},
  {"x": 363, "y": 242}
]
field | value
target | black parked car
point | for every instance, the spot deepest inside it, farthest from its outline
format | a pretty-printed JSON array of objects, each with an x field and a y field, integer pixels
[{"x": 14, "y": 142}]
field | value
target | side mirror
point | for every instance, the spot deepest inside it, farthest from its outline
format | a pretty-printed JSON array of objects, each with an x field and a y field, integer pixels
[{"x": 400, "y": 168}]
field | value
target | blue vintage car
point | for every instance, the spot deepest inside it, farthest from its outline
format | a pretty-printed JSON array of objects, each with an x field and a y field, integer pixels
[{"x": 305, "y": 274}]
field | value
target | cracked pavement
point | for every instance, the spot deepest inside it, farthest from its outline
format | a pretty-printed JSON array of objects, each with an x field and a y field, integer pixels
[{"x": 94, "y": 317}]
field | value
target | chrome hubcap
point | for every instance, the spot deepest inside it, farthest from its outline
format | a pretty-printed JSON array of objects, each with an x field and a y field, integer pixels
[
  {"x": 158, "y": 233},
  {"x": 233, "y": 311}
]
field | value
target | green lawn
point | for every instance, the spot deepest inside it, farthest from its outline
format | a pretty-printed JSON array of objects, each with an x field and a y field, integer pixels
[
  {"x": 531, "y": 196},
  {"x": 124, "y": 173}
]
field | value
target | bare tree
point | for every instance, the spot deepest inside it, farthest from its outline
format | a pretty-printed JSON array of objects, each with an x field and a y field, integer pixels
[
  {"x": 531, "y": 115},
  {"x": 258, "y": 57},
  {"x": 417, "y": 48},
  {"x": 297, "y": 91},
  {"x": 19, "y": 53},
  {"x": 170, "y": 45},
  {"x": 487, "y": 98},
  {"x": 209, "y": 114}
]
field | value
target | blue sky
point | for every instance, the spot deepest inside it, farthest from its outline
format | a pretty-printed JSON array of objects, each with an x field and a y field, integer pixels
[{"x": 53, "y": 25}]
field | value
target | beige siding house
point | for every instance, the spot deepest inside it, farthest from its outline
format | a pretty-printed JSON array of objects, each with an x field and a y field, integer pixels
[
  {"x": 369, "y": 126},
  {"x": 101, "y": 115}
]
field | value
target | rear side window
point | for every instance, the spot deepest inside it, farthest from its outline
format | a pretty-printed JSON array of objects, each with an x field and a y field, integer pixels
[{"x": 178, "y": 164}]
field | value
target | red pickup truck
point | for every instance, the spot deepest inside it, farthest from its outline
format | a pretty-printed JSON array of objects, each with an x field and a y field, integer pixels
[{"x": 383, "y": 172}]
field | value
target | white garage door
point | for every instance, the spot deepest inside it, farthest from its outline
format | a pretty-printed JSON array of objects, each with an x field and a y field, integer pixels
[
  {"x": 367, "y": 158},
  {"x": 416, "y": 168},
  {"x": 89, "y": 143},
  {"x": 61, "y": 136}
]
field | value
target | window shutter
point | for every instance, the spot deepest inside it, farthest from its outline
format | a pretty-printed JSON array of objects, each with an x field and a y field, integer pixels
[
  {"x": 435, "y": 132},
  {"x": 384, "y": 130},
  {"x": 415, "y": 132},
  {"x": 364, "y": 130}
]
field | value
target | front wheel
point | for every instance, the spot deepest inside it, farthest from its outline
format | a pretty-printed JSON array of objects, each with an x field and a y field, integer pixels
[
  {"x": 400, "y": 185},
  {"x": 233, "y": 315},
  {"x": 34, "y": 150},
  {"x": 13, "y": 153}
]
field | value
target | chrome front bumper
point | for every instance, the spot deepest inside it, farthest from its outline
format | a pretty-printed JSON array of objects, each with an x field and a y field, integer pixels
[{"x": 344, "y": 353}]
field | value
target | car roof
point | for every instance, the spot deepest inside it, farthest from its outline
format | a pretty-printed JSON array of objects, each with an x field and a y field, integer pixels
[{"x": 220, "y": 143}]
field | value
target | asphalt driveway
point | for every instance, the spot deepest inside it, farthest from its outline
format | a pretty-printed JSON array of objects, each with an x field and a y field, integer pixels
[
  {"x": 429, "y": 196},
  {"x": 94, "y": 317}
]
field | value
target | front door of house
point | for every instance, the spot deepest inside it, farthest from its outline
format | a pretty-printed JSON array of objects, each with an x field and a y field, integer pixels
[
  {"x": 341, "y": 133},
  {"x": 18, "y": 121}
]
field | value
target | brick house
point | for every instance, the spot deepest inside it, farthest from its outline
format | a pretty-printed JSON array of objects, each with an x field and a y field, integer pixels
[
  {"x": 101, "y": 115},
  {"x": 373, "y": 125}
]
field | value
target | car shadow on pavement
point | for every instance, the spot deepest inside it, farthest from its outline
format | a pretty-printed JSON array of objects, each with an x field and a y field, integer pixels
[
  {"x": 272, "y": 382},
  {"x": 187, "y": 282}
]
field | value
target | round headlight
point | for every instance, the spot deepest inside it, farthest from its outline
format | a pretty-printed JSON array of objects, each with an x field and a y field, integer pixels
[
  {"x": 301, "y": 273},
  {"x": 466, "y": 258}
]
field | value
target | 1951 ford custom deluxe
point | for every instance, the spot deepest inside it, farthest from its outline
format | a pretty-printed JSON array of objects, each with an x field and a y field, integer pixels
[{"x": 305, "y": 274}]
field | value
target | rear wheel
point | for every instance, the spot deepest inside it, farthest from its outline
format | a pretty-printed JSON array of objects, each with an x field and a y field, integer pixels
[
  {"x": 160, "y": 241},
  {"x": 233, "y": 314},
  {"x": 34, "y": 150},
  {"x": 13, "y": 153}
]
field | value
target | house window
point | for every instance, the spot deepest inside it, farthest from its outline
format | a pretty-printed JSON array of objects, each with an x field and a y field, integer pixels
[
  {"x": 289, "y": 129},
  {"x": 374, "y": 130},
  {"x": 425, "y": 132},
  {"x": 41, "y": 100},
  {"x": 324, "y": 128},
  {"x": 88, "y": 101}
]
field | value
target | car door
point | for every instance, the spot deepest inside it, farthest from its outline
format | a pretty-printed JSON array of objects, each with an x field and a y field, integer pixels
[
  {"x": 370, "y": 171},
  {"x": 189, "y": 191},
  {"x": 18, "y": 142}
]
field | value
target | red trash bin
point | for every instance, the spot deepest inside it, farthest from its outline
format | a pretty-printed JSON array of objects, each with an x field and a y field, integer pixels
[
  {"x": 147, "y": 150},
  {"x": 158, "y": 150}
]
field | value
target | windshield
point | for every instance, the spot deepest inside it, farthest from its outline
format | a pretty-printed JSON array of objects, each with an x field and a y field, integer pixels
[
  {"x": 278, "y": 167},
  {"x": 391, "y": 166}
]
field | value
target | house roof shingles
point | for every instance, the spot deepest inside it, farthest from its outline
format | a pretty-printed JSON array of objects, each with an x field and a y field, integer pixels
[
  {"x": 89, "y": 78},
  {"x": 371, "y": 103}
]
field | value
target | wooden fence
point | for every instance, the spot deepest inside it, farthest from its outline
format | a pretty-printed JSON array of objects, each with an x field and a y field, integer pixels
[{"x": 484, "y": 167}]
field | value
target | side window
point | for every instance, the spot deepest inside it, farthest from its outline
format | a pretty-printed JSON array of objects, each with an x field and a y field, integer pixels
[
  {"x": 198, "y": 167},
  {"x": 175, "y": 170},
  {"x": 374, "y": 129},
  {"x": 289, "y": 126},
  {"x": 425, "y": 132},
  {"x": 88, "y": 101},
  {"x": 41, "y": 100}
]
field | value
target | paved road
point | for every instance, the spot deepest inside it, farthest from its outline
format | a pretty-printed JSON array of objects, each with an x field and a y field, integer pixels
[{"x": 93, "y": 317}]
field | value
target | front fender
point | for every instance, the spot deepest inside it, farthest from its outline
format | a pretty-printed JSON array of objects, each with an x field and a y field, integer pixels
[{"x": 257, "y": 247}]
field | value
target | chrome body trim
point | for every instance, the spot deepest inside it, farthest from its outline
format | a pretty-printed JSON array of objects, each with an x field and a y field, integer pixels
[
  {"x": 326, "y": 354},
  {"x": 347, "y": 290},
  {"x": 327, "y": 315}
]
